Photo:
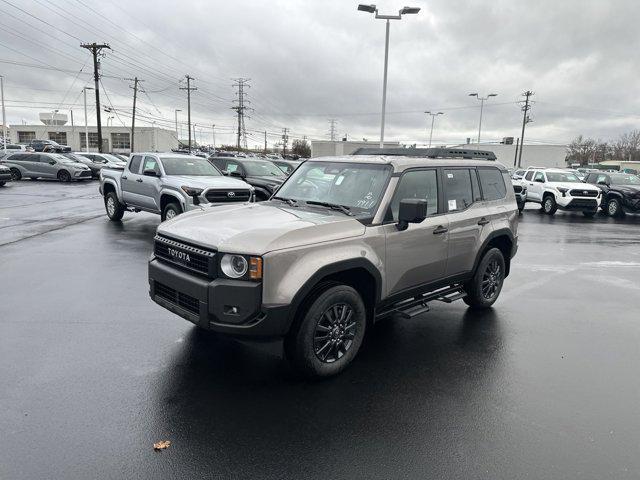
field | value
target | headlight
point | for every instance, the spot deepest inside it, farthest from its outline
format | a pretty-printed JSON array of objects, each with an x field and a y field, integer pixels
[
  {"x": 191, "y": 191},
  {"x": 563, "y": 190},
  {"x": 234, "y": 266}
]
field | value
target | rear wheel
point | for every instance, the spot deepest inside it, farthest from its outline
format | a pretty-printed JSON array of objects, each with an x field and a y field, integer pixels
[
  {"x": 549, "y": 205},
  {"x": 15, "y": 174},
  {"x": 614, "y": 208},
  {"x": 64, "y": 176},
  {"x": 170, "y": 211},
  {"x": 328, "y": 334},
  {"x": 115, "y": 210},
  {"x": 486, "y": 284}
]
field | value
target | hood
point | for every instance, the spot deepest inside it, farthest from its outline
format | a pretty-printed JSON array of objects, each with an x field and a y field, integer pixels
[
  {"x": 630, "y": 189},
  {"x": 258, "y": 228},
  {"x": 204, "y": 182},
  {"x": 515, "y": 181},
  {"x": 574, "y": 185},
  {"x": 265, "y": 181}
]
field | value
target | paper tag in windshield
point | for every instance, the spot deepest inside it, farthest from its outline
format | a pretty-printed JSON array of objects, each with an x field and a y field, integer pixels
[
  {"x": 340, "y": 179},
  {"x": 453, "y": 205}
]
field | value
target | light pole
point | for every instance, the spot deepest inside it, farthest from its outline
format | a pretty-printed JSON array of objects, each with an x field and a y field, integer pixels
[
  {"x": 374, "y": 10},
  {"x": 433, "y": 118},
  {"x": 482, "y": 100},
  {"x": 4, "y": 117},
  {"x": 213, "y": 129},
  {"x": 86, "y": 124},
  {"x": 177, "y": 133}
]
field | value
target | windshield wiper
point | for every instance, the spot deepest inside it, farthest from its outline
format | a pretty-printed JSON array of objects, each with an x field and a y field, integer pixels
[
  {"x": 289, "y": 201},
  {"x": 332, "y": 206}
]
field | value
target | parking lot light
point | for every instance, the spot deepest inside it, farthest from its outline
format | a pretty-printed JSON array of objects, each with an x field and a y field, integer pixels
[{"x": 482, "y": 100}]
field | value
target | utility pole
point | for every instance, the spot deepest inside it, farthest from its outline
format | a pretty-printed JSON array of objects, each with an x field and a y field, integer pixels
[
  {"x": 95, "y": 50},
  {"x": 515, "y": 158},
  {"x": 285, "y": 140},
  {"x": 195, "y": 139},
  {"x": 265, "y": 141},
  {"x": 4, "y": 116},
  {"x": 433, "y": 118},
  {"x": 332, "y": 129},
  {"x": 73, "y": 130},
  {"x": 86, "y": 121},
  {"x": 525, "y": 120},
  {"x": 213, "y": 129},
  {"x": 240, "y": 108},
  {"x": 133, "y": 117},
  {"x": 188, "y": 88}
]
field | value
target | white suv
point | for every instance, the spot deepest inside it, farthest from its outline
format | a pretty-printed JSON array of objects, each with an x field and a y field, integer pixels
[{"x": 554, "y": 189}]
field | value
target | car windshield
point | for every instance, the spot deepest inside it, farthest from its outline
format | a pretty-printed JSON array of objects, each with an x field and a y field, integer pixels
[
  {"x": 62, "y": 158},
  {"x": 620, "y": 179},
  {"x": 261, "y": 168},
  {"x": 189, "y": 166},
  {"x": 562, "y": 177},
  {"x": 112, "y": 158},
  {"x": 357, "y": 186}
]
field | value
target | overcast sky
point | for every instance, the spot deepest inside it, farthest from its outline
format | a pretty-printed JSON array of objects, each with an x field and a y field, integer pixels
[{"x": 310, "y": 61}]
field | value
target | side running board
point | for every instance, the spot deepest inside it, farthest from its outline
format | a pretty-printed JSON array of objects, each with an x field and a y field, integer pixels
[{"x": 415, "y": 306}]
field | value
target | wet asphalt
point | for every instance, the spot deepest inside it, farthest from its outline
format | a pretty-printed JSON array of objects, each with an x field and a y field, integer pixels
[{"x": 546, "y": 385}]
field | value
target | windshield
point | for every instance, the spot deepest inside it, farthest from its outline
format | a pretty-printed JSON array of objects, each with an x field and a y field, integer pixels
[
  {"x": 63, "y": 159},
  {"x": 112, "y": 158},
  {"x": 261, "y": 168},
  {"x": 625, "y": 179},
  {"x": 189, "y": 166},
  {"x": 358, "y": 186},
  {"x": 562, "y": 177}
]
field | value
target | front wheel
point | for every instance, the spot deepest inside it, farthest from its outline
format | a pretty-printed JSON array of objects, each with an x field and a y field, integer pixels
[
  {"x": 170, "y": 211},
  {"x": 549, "y": 205},
  {"x": 328, "y": 334},
  {"x": 614, "y": 208},
  {"x": 64, "y": 176},
  {"x": 15, "y": 174},
  {"x": 115, "y": 210},
  {"x": 485, "y": 286}
]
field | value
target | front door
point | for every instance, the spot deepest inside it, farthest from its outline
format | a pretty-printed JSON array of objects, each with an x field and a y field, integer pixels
[
  {"x": 149, "y": 187},
  {"x": 129, "y": 182},
  {"x": 418, "y": 255}
]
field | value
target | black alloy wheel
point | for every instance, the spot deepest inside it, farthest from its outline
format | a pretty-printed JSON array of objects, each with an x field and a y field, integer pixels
[{"x": 334, "y": 333}]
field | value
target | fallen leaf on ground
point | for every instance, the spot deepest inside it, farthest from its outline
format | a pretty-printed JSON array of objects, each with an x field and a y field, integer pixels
[{"x": 161, "y": 445}]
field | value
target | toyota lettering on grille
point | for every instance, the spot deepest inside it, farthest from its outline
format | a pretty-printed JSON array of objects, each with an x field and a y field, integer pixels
[
  {"x": 585, "y": 192},
  {"x": 231, "y": 194},
  {"x": 177, "y": 254}
]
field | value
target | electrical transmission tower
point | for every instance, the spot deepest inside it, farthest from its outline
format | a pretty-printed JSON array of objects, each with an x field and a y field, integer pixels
[
  {"x": 332, "y": 129},
  {"x": 525, "y": 119},
  {"x": 188, "y": 88},
  {"x": 96, "y": 50},
  {"x": 241, "y": 107},
  {"x": 285, "y": 140}
]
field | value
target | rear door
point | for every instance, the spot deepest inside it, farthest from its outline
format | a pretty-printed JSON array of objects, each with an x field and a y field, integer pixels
[
  {"x": 534, "y": 186},
  {"x": 469, "y": 220},
  {"x": 416, "y": 256},
  {"x": 128, "y": 181},
  {"x": 47, "y": 166}
]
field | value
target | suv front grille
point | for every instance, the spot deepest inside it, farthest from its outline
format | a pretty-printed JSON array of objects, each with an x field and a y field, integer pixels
[
  {"x": 227, "y": 196},
  {"x": 583, "y": 193},
  {"x": 180, "y": 299},
  {"x": 583, "y": 203},
  {"x": 185, "y": 256},
  {"x": 517, "y": 188}
]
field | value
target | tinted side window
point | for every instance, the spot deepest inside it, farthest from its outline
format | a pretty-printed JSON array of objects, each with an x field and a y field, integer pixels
[
  {"x": 151, "y": 163},
  {"x": 18, "y": 157},
  {"x": 602, "y": 178},
  {"x": 458, "y": 193},
  {"x": 539, "y": 177},
  {"x": 529, "y": 175},
  {"x": 492, "y": 183},
  {"x": 219, "y": 163},
  {"x": 134, "y": 165},
  {"x": 416, "y": 184}
]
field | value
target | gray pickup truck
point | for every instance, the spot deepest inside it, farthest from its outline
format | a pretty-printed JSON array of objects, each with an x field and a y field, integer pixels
[{"x": 168, "y": 184}]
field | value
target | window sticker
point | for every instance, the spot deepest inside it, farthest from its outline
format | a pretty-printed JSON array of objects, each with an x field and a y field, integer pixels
[
  {"x": 453, "y": 205},
  {"x": 339, "y": 180},
  {"x": 449, "y": 175}
]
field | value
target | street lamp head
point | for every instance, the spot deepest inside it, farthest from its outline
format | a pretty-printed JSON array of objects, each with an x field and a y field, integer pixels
[
  {"x": 493, "y": 95},
  {"x": 473, "y": 94},
  {"x": 367, "y": 8},
  {"x": 409, "y": 10},
  {"x": 440, "y": 113}
]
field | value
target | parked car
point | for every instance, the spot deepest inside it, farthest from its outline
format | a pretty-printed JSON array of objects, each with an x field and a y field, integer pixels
[
  {"x": 5, "y": 175},
  {"x": 104, "y": 159},
  {"x": 263, "y": 175},
  {"x": 581, "y": 176},
  {"x": 13, "y": 147},
  {"x": 168, "y": 184},
  {"x": 119, "y": 156},
  {"x": 518, "y": 174},
  {"x": 287, "y": 166},
  {"x": 48, "y": 146},
  {"x": 345, "y": 241},
  {"x": 520, "y": 189},
  {"x": 93, "y": 166},
  {"x": 620, "y": 192},
  {"x": 555, "y": 189},
  {"x": 45, "y": 165}
]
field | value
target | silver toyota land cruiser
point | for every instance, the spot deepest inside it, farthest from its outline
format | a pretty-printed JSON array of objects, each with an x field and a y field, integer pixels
[{"x": 344, "y": 242}]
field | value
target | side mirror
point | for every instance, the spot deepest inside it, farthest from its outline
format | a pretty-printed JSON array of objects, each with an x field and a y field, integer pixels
[
  {"x": 52, "y": 162},
  {"x": 602, "y": 182},
  {"x": 412, "y": 210},
  {"x": 236, "y": 174},
  {"x": 150, "y": 173}
]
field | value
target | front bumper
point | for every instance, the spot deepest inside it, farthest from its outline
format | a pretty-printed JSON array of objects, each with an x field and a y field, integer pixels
[
  {"x": 577, "y": 204},
  {"x": 5, "y": 177},
  {"x": 631, "y": 205},
  {"x": 232, "y": 307}
]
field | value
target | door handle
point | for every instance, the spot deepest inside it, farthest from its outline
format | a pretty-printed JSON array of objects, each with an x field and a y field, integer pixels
[
  {"x": 123, "y": 177},
  {"x": 139, "y": 180},
  {"x": 483, "y": 221},
  {"x": 440, "y": 229}
]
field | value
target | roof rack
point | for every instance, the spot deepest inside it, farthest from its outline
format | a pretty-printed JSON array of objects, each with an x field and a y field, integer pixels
[{"x": 467, "y": 154}]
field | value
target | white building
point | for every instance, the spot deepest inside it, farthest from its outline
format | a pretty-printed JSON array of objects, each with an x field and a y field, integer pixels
[{"x": 115, "y": 139}]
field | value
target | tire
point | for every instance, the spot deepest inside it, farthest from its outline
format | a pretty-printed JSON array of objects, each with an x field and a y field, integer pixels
[
  {"x": 520, "y": 208},
  {"x": 589, "y": 214},
  {"x": 328, "y": 333},
  {"x": 115, "y": 210},
  {"x": 614, "y": 208},
  {"x": 64, "y": 176},
  {"x": 170, "y": 211},
  {"x": 549, "y": 205},
  {"x": 485, "y": 286},
  {"x": 2, "y": 184},
  {"x": 15, "y": 174}
]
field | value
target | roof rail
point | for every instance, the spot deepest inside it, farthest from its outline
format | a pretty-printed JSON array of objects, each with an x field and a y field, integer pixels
[{"x": 468, "y": 154}]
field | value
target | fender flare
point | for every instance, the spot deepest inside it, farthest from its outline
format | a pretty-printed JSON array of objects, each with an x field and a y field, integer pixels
[
  {"x": 171, "y": 193},
  {"x": 331, "y": 269},
  {"x": 493, "y": 235},
  {"x": 116, "y": 188}
]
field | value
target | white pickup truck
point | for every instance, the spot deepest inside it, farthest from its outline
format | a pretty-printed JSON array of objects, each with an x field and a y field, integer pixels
[{"x": 168, "y": 184}]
